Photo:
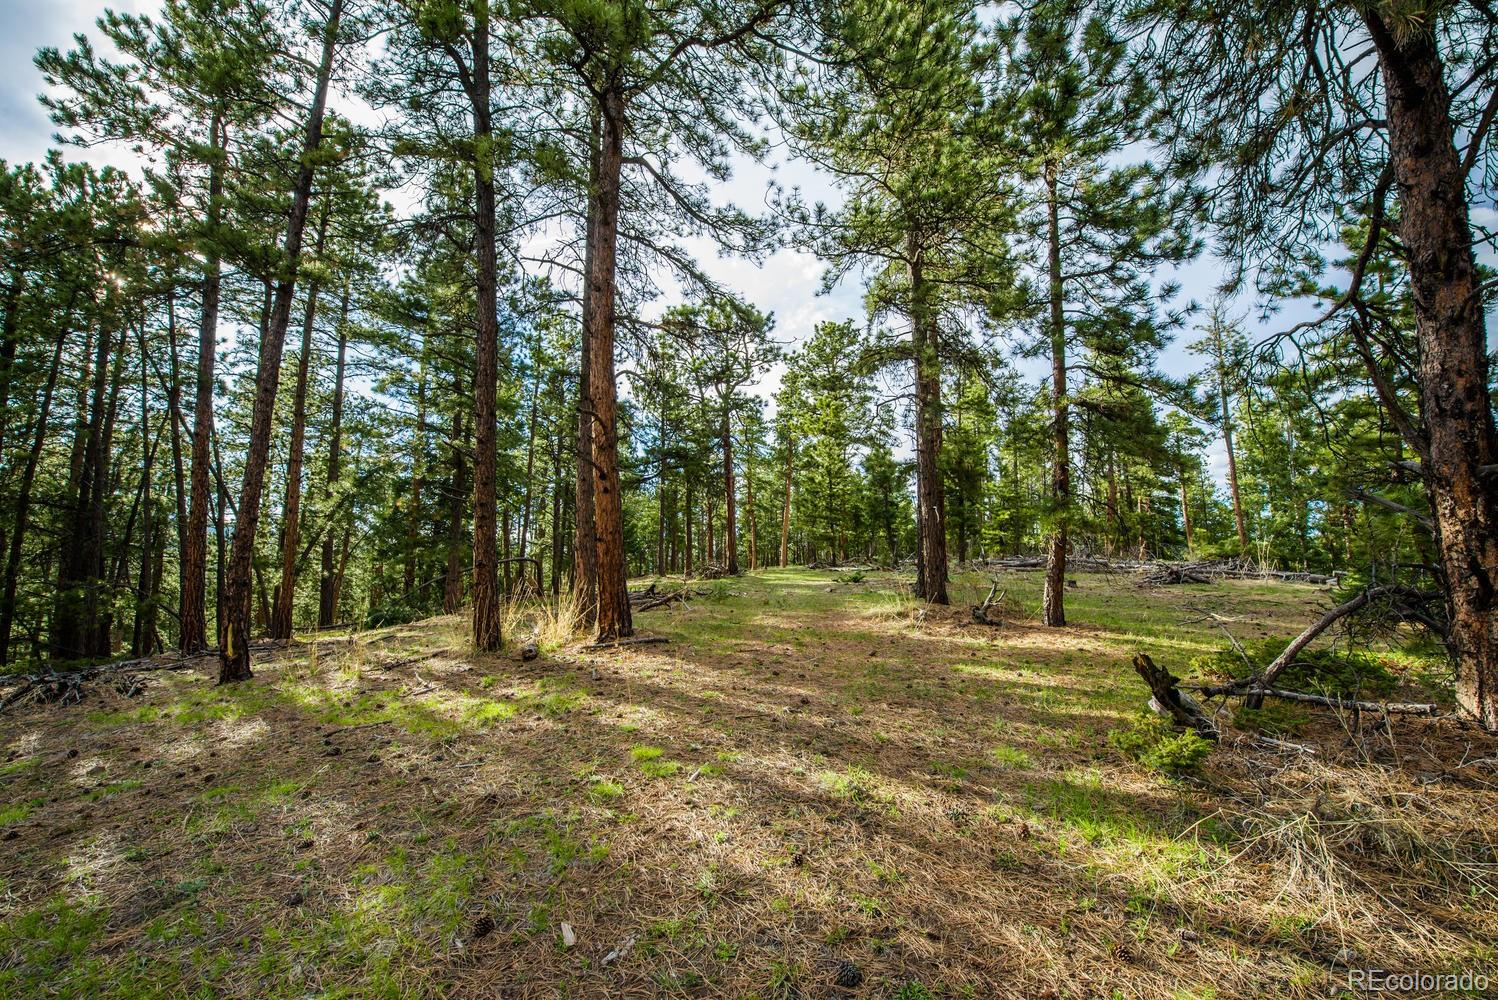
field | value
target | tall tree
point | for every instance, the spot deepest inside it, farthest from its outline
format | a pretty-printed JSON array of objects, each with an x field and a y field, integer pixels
[
  {"x": 1379, "y": 98},
  {"x": 183, "y": 89},
  {"x": 888, "y": 109},
  {"x": 234, "y": 650},
  {"x": 1104, "y": 226}
]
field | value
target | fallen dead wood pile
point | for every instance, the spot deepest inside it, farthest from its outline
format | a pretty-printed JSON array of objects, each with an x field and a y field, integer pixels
[
  {"x": 652, "y": 597},
  {"x": 1170, "y": 574},
  {"x": 1161, "y": 573},
  {"x": 1165, "y": 573},
  {"x": 66, "y": 687}
]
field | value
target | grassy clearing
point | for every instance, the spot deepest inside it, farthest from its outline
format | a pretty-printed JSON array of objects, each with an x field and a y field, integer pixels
[{"x": 814, "y": 783}]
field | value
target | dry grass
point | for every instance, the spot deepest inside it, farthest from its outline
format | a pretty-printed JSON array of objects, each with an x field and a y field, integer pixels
[{"x": 813, "y": 782}]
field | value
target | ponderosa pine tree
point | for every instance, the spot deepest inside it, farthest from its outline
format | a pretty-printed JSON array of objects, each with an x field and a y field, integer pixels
[
  {"x": 1077, "y": 104},
  {"x": 889, "y": 110},
  {"x": 440, "y": 49},
  {"x": 1379, "y": 99},
  {"x": 187, "y": 86},
  {"x": 234, "y": 650},
  {"x": 648, "y": 70}
]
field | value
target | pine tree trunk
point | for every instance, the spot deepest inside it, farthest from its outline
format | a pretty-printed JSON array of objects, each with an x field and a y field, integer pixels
[
  {"x": 75, "y": 610},
  {"x": 144, "y": 599},
  {"x": 1185, "y": 511},
  {"x": 749, "y": 503},
  {"x": 530, "y": 490},
  {"x": 613, "y": 592},
  {"x": 931, "y": 522},
  {"x": 660, "y": 493},
  {"x": 452, "y": 595},
  {"x": 234, "y": 652},
  {"x": 418, "y": 481},
  {"x": 730, "y": 518},
  {"x": 1455, "y": 409},
  {"x": 687, "y": 526},
  {"x": 488, "y": 603},
  {"x": 785, "y": 506},
  {"x": 556, "y": 518},
  {"x": 174, "y": 419},
  {"x": 1053, "y": 602},
  {"x": 192, "y": 637},
  {"x": 1227, "y": 440},
  {"x": 291, "y": 511},
  {"x": 585, "y": 532},
  {"x": 327, "y": 603}
]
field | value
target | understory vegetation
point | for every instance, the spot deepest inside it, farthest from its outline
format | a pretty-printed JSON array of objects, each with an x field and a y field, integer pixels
[
  {"x": 815, "y": 784},
  {"x": 747, "y": 498}
]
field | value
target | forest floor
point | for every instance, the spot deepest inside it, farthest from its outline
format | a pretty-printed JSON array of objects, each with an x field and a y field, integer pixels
[{"x": 814, "y": 789}]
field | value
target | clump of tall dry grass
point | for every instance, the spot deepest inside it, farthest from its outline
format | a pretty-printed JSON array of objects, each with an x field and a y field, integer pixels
[
  {"x": 1333, "y": 839},
  {"x": 549, "y": 622}
]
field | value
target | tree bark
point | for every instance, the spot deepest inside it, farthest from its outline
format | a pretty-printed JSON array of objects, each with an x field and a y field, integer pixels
[
  {"x": 488, "y": 603},
  {"x": 1455, "y": 409},
  {"x": 660, "y": 490},
  {"x": 145, "y": 601},
  {"x": 452, "y": 596},
  {"x": 585, "y": 536},
  {"x": 688, "y": 524},
  {"x": 174, "y": 418},
  {"x": 1185, "y": 510},
  {"x": 614, "y": 620},
  {"x": 234, "y": 649},
  {"x": 931, "y": 521},
  {"x": 730, "y": 518},
  {"x": 785, "y": 505},
  {"x": 530, "y": 488},
  {"x": 749, "y": 503},
  {"x": 1054, "y": 599},
  {"x": 75, "y": 610},
  {"x": 1227, "y": 438}
]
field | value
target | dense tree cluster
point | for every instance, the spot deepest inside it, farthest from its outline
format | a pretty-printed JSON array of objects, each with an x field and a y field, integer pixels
[{"x": 242, "y": 395}]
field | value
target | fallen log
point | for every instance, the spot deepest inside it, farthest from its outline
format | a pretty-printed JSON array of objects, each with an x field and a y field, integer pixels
[
  {"x": 1299, "y": 643},
  {"x": 1172, "y": 574},
  {"x": 635, "y": 596}
]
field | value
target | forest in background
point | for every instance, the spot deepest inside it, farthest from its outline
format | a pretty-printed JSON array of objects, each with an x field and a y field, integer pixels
[{"x": 242, "y": 395}]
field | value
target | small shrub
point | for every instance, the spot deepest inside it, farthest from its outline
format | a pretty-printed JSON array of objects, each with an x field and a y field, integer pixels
[{"x": 1151, "y": 741}]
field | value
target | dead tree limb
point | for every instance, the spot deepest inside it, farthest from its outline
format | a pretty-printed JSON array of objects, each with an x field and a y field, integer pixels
[
  {"x": 980, "y": 612},
  {"x": 639, "y": 640},
  {"x": 1351, "y": 704},
  {"x": 1397, "y": 508},
  {"x": 1252, "y": 683},
  {"x": 1168, "y": 699}
]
